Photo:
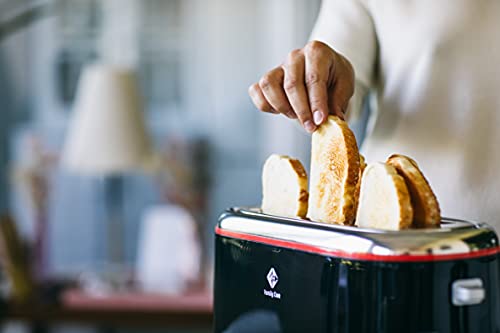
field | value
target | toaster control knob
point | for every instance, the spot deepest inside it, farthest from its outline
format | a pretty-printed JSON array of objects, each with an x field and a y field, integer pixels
[{"x": 467, "y": 292}]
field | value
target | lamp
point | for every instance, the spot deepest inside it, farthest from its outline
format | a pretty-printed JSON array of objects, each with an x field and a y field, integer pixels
[
  {"x": 107, "y": 134},
  {"x": 107, "y": 138}
]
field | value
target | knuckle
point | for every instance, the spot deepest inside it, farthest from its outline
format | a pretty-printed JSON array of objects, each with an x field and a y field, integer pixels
[
  {"x": 290, "y": 83},
  {"x": 294, "y": 56},
  {"x": 316, "y": 105},
  {"x": 295, "y": 53},
  {"x": 313, "y": 78},
  {"x": 266, "y": 81},
  {"x": 314, "y": 47}
]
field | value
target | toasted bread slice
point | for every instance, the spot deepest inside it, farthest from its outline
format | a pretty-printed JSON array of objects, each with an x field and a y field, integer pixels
[
  {"x": 334, "y": 173},
  {"x": 384, "y": 199},
  {"x": 284, "y": 187},
  {"x": 426, "y": 212},
  {"x": 362, "y": 166}
]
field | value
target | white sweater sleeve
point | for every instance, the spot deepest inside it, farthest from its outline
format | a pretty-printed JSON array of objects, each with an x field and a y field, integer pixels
[{"x": 347, "y": 27}]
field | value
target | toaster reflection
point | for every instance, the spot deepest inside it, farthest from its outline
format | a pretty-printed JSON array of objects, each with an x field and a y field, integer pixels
[{"x": 258, "y": 321}]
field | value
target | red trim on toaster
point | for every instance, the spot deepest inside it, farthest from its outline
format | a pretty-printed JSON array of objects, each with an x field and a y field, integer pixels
[{"x": 357, "y": 256}]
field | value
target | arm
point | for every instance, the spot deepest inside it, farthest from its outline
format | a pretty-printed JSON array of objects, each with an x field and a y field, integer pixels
[
  {"x": 349, "y": 28},
  {"x": 317, "y": 79}
]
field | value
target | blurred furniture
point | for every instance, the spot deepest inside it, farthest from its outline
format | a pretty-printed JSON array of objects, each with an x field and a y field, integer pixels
[
  {"x": 55, "y": 302},
  {"x": 169, "y": 250},
  {"x": 144, "y": 310},
  {"x": 15, "y": 261},
  {"x": 32, "y": 172},
  {"x": 182, "y": 171},
  {"x": 107, "y": 137}
]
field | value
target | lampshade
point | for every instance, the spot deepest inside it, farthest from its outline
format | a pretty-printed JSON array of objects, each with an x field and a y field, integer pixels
[{"x": 107, "y": 134}]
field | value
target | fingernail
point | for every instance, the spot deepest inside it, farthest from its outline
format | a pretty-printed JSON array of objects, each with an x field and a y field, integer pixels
[
  {"x": 291, "y": 115},
  {"x": 309, "y": 126},
  {"x": 318, "y": 117}
]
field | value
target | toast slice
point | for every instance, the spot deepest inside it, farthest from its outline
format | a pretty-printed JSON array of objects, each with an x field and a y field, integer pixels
[
  {"x": 334, "y": 173},
  {"x": 284, "y": 187},
  {"x": 384, "y": 199},
  {"x": 362, "y": 166},
  {"x": 426, "y": 212}
]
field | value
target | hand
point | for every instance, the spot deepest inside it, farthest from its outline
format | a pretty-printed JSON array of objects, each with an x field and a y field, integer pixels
[{"x": 313, "y": 82}]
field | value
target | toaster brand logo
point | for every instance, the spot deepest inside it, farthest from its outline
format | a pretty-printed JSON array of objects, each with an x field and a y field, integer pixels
[{"x": 272, "y": 279}]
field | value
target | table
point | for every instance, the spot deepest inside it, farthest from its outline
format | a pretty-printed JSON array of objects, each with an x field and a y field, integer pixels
[{"x": 131, "y": 309}]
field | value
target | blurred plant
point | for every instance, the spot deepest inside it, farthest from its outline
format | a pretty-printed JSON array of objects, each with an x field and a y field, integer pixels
[
  {"x": 182, "y": 173},
  {"x": 32, "y": 174}
]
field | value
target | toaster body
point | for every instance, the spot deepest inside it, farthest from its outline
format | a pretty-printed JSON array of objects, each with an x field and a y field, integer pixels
[{"x": 287, "y": 275}]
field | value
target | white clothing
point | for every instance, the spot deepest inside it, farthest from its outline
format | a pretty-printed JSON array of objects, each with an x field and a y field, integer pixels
[{"x": 435, "y": 65}]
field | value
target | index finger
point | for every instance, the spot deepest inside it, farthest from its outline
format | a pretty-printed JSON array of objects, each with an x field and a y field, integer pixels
[
  {"x": 295, "y": 89},
  {"x": 317, "y": 70}
]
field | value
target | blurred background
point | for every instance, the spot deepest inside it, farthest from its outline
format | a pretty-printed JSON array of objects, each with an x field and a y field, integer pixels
[{"x": 116, "y": 195}]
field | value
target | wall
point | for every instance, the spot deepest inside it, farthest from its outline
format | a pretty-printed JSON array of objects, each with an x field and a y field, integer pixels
[{"x": 227, "y": 45}]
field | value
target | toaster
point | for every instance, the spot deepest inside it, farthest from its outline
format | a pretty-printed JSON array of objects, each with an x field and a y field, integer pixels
[{"x": 276, "y": 274}]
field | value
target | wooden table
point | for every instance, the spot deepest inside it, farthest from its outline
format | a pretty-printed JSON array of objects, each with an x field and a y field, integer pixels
[{"x": 133, "y": 309}]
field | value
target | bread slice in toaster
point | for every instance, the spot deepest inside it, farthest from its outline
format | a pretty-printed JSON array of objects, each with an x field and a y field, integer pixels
[
  {"x": 384, "y": 199},
  {"x": 284, "y": 187},
  {"x": 334, "y": 173},
  {"x": 362, "y": 166},
  {"x": 426, "y": 212}
]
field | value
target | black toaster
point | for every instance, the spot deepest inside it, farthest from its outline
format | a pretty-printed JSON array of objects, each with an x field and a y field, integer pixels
[{"x": 275, "y": 274}]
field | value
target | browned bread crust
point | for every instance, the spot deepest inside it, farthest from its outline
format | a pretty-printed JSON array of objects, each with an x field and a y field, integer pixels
[
  {"x": 304, "y": 194},
  {"x": 334, "y": 173},
  {"x": 425, "y": 205},
  {"x": 362, "y": 166},
  {"x": 298, "y": 167}
]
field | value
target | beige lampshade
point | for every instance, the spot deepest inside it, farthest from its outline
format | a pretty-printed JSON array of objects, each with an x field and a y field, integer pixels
[{"x": 107, "y": 134}]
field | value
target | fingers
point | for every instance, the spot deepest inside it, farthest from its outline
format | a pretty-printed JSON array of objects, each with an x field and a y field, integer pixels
[
  {"x": 295, "y": 89},
  {"x": 259, "y": 100},
  {"x": 314, "y": 81},
  {"x": 317, "y": 69},
  {"x": 271, "y": 86},
  {"x": 342, "y": 88}
]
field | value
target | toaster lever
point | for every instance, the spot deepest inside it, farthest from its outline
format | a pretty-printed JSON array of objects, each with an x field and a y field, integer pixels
[{"x": 467, "y": 292}]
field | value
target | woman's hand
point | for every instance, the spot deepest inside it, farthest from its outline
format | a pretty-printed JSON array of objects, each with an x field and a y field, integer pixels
[{"x": 313, "y": 82}]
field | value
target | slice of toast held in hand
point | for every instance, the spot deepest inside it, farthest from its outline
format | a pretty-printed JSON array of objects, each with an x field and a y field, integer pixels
[
  {"x": 426, "y": 212},
  {"x": 284, "y": 187},
  {"x": 334, "y": 173},
  {"x": 384, "y": 199}
]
